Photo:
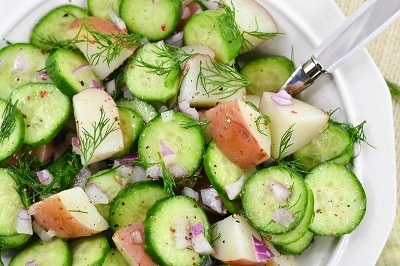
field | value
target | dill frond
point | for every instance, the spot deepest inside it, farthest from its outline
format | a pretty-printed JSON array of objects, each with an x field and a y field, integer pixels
[
  {"x": 9, "y": 121},
  {"x": 89, "y": 142}
]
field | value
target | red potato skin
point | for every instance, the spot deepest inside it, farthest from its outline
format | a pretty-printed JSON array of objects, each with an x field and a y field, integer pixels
[
  {"x": 102, "y": 25},
  {"x": 229, "y": 131},
  {"x": 135, "y": 251},
  {"x": 187, "y": 12},
  {"x": 51, "y": 214}
]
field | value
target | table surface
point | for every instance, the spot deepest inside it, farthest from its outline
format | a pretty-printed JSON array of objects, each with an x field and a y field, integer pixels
[{"x": 385, "y": 51}]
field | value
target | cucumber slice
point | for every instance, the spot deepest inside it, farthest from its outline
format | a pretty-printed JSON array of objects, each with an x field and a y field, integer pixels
[
  {"x": 131, "y": 204},
  {"x": 267, "y": 73},
  {"x": 50, "y": 31},
  {"x": 222, "y": 172},
  {"x": 145, "y": 82},
  {"x": 12, "y": 129},
  {"x": 144, "y": 109},
  {"x": 170, "y": 129},
  {"x": 102, "y": 8},
  {"x": 10, "y": 202},
  {"x": 44, "y": 109},
  {"x": 298, "y": 232},
  {"x": 260, "y": 203},
  {"x": 332, "y": 144},
  {"x": 91, "y": 250},
  {"x": 159, "y": 227},
  {"x": 154, "y": 20},
  {"x": 9, "y": 242},
  {"x": 21, "y": 63},
  {"x": 132, "y": 125},
  {"x": 71, "y": 72},
  {"x": 297, "y": 247},
  {"x": 114, "y": 258},
  {"x": 339, "y": 199},
  {"x": 55, "y": 252},
  {"x": 217, "y": 30}
]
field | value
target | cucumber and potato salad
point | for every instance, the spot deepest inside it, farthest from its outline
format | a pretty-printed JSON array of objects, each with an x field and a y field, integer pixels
[{"x": 138, "y": 132}]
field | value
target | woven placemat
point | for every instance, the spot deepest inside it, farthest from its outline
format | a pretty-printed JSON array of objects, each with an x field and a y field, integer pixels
[{"x": 385, "y": 51}]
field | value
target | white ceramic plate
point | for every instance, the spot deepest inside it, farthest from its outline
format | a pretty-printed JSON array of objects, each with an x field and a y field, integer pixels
[{"x": 357, "y": 88}]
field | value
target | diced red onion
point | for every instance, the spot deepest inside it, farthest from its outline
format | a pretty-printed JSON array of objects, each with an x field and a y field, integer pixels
[
  {"x": 262, "y": 251},
  {"x": 43, "y": 75},
  {"x": 44, "y": 176},
  {"x": 279, "y": 191},
  {"x": 20, "y": 63},
  {"x": 96, "y": 85},
  {"x": 283, "y": 217},
  {"x": 23, "y": 222},
  {"x": 167, "y": 116},
  {"x": 117, "y": 20},
  {"x": 210, "y": 198},
  {"x": 181, "y": 233},
  {"x": 191, "y": 193},
  {"x": 175, "y": 39},
  {"x": 32, "y": 263},
  {"x": 199, "y": 242},
  {"x": 184, "y": 107},
  {"x": 233, "y": 190},
  {"x": 95, "y": 194},
  {"x": 82, "y": 177},
  {"x": 154, "y": 171},
  {"x": 165, "y": 150},
  {"x": 81, "y": 68},
  {"x": 186, "y": 13},
  {"x": 282, "y": 98},
  {"x": 177, "y": 170},
  {"x": 124, "y": 169},
  {"x": 111, "y": 86},
  {"x": 138, "y": 174},
  {"x": 75, "y": 142},
  {"x": 197, "y": 229},
  {"x": 44, "y": 235},
  {"x": 137, "y": 237},
  {"x": 1, "y": 63}
]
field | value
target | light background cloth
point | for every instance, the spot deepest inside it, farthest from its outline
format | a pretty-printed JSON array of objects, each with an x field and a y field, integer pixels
[{"x": 385, "y": 51}]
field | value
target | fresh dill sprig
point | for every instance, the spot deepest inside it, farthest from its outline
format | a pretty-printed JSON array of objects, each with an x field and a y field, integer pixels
[
  {"x": 110, "y": 45},
  {"x": 202, "y": 124},
  {"x": 168, "y": 178},
  {"x": 262, "y": 120},
  {"x": 246, "y": 44},
  {"x": 170, "y": 59},
  {"x": 28, "y": 184},
  {"x": 219, "y": 79},
  {"x": 24, "y": 171},
  {"x": 9, "y": 121},
  {"x": 89, "y": 142},
  {"x": 285, "y": 142},
  {"x": 54, "y": 43}
]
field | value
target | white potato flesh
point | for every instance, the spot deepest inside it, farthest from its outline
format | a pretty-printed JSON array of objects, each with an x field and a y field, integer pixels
[
  {"x": 205, "y": 95},
  {"x": 234, "y": 241},
  {"x": 90, "y": 107},
  {"x": 90, "y": 48},
  {"x": 69, "y": 214},
  {"x": 305, "y": 120},
  {"x": 252, "y": 17},
  {"x": 240, "y": 132}
]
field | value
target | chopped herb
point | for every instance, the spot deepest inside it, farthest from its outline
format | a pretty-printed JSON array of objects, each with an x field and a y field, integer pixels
[
  {"x": 89, "y": 142},
  {"x": 9, "y": 121}
]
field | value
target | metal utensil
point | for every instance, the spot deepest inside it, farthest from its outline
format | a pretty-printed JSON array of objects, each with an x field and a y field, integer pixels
[{"x": 359, "y": 28}]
